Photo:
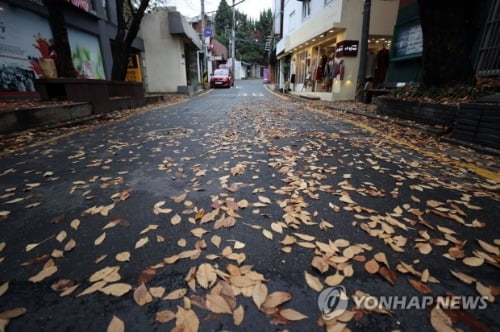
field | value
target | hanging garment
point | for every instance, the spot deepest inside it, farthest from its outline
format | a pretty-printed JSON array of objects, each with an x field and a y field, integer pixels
[
  {"x": 319, "y": 74},
  {"x": 341, "y": 70}
]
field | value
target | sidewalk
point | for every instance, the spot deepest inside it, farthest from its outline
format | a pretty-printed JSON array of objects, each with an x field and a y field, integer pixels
[{"x": 434, "y": 139}]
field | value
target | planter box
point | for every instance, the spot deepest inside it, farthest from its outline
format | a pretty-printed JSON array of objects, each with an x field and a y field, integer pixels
[
  {"x": 426, "y": 113},
  {"x": 478, "y": 124},
  {"x": 96, "y": 92}
]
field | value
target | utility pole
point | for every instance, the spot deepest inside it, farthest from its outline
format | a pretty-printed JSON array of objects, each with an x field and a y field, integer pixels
[
  {"x": 363, "y": 48},
  {"x": 203, "y": 46},
  {"x": 233, "y": 44}
]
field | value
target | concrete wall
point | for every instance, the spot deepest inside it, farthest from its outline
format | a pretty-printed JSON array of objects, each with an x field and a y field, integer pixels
[{"x": 163, "y": 54}]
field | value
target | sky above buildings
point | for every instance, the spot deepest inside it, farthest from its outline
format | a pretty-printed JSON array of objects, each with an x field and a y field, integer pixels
[{"x": 191, "y": 8}]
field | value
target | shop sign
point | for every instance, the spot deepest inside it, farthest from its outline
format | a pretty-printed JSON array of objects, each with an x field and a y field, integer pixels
[
  {"x": 347, "y": 48},
  {"x": 133, "y": 69}
]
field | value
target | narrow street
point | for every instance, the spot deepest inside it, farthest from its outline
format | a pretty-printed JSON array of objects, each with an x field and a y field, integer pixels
[{"x": 201, "y": 209}]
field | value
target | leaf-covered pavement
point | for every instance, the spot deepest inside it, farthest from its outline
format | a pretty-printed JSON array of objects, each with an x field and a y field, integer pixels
[{"x": 232, "y": 214}]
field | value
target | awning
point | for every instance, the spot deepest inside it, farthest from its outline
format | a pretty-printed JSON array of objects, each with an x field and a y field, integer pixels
[{"x": 178, "y": 25}]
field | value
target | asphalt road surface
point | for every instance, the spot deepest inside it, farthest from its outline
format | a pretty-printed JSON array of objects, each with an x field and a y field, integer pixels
[{"x": 234, "y": 201}]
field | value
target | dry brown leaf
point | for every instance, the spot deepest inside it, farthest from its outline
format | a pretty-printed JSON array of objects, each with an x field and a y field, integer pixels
[
  {"x": 304, "y": 237},
  {"x": 259, "y": 294},
  {"x": 70, "y": 245},
  {"x": 180, "y": 198},
  {"x": 176, "y": 294},
  {"x": 381, "y": 258},
  {"x": 277, "y": 227},
  {"x": 372, "y": 266},
  {"x": 116, "y": 325},
  {"x": 276, "y": 298},
  {"x": 217, "y": 304},
  {"x": 176, "y": 219},
  {"x": 93, "y": 288},
  {"x": 103, "y": 273},
  {"x": 420, "y": 287},
  {"x": 291, "y": 314},
  {"x": 117, "y": 289},
  {"x": 267, "y": 234},
  {"x": 123, "y": 256},
  {"x": 206, "y": 276},
  {"x": 440, "y": 321},
  {"x": 388, "y": 274},
  {"x": 238, "y": 315},
  {"x": 264, "y": 200},
  {"x": 187, "y": 320},
  {"x": 45, "y": 273},
  {"x": 165, "y": 316},
  {"x": 100, "y": 239},
  {"x": 157, "y": 292},
  {"x": 238, "y": 245},
  {"x": 141, "y": 242},
  {"x": 485, "y": 291},
  {"x": 313, "y": 282},
  {"x": 216, "y": 240},
  {"x": 142, "y": 295},
  {"x": 198, "y": 232},
  {"x": 473, "y": 261},
  {"x": 4, "y": 288},
  {"x": 334, "y": 279},
  {"x": 463, "y": 277},
  {"x": 13, "y": 313},
  {"x": 424, "y": 247},
  {"x": 489, "y": 248},
  {"x": 61, "y": 236},
  {"x": 69, "y": 290}
]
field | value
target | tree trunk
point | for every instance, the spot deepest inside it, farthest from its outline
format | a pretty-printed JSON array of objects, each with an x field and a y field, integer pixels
[
  {"x": 446, "y": 50},
  {"x": 61, "y": 46},
  {"x": 124, "y": 37}
]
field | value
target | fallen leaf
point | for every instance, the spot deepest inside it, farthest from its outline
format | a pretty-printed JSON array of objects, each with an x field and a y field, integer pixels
[
  {"x": 187, "y": 320},
  {"x": 176, "y": 294},
  {"x": 217, "y": 304},
  {"x": 420, "y": 287},
  {"x": 238, "y": 315},
  {"x": 45, "y": 273},
  {"x": 276, "y": 298},
  {"x": 165, "y": 316},
  {"x": 238, "y": 245},
  {"x": 485, "y": 291},
  {"x": 440, "y": 321},
  {"x": 116, "y": 325},
  {"x": 473, "y": 261},
  {"x": 388, "y": 275},
  {"x": 75, "y": 223},
  {"x": 61, "y": 236},
  {"x": 264, "y": 200},
  {"x": 157, "y": 292},
  {"x": 93, "y": 288},
  {"x": 13, "y": 313},
  {"x": 313, "y": 282},
  {"x": 334, "y": 279},
  {"x": 141, "y": 242},
  {"x": 206, "y": 276},
  {"x": 180, "y": 198},
  {"x": 292, "y": 315},
  {"x": 103, "y": 273},
  {"x": 372, "y": 266},
  {"x": 4, "y": 287},
  {"x": 100, "y": 239},
  {"x": 142, "y": 296},
  {"x": 123, "y": 256},
  {"x": 489, "y": 248},
  {"x": 198, "y": 232},
  {"x": 175, "y": 219},
  {"x": 216, "y": 240},
  {"x": 381, "y": 258},
  {"x": 259, "y": 294},
  {"x": 463, "y": 277},
  {"x": 117, "y": 289},
  {"x": 267, "y": 234}
]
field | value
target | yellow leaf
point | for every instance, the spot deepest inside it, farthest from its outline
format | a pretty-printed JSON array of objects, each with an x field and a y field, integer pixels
[
  {"x": 141, "y": 242},
  {"x": 292, "y": 315},
  {"x": 45, "y": 273},
  {"x": 267, "y": 234},
  {"x": 313, "y": 282},
  {"x": 116, "y": 325}
]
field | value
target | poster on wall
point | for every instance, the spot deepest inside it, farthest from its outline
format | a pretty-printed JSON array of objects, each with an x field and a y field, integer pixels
[
  {"x": 409, "y": 41},
  {"x": 26, "y": 41}
]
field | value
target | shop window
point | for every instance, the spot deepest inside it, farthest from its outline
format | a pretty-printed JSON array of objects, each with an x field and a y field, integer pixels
[
  {"x": 306, "y": 9},
  {"x": 303, "y": 63}
]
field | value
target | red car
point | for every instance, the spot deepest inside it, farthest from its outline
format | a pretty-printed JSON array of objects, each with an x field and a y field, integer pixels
[{"x": 222, "y": 77}]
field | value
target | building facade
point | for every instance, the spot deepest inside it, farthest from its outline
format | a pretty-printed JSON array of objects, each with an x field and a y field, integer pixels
[
  {"x": 318, "y": 47},
  {"x": 26, "y": 37},
  {"x": 172, "y": 59}
]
